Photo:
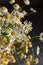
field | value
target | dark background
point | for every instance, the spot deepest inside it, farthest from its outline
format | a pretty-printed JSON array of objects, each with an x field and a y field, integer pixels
[{"x": 36, "y": 19}]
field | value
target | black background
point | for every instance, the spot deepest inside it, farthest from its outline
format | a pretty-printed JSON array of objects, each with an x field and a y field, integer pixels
[{"x": 36, "y": 19}]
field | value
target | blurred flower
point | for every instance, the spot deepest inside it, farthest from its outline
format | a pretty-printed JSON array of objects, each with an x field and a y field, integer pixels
[
  {"x": 30, "y": 57},
  {"x": 36, "y": 60},
  {"x": 33, "y": 10},
  {"x": 27, "y": 62},
  {"x": 4, "y": 10},
  {"x": 22, "y": 55},
  {"x": 13, "y": 59},
  {"x": 27, "y": 2},
  {"x": 8, "y": 16},
  {"x": 12, "y": 1},
  {"x": 38, "y": 50},
  {"x": 41, "y": 37},
  {"x": 16, "y": 6}
]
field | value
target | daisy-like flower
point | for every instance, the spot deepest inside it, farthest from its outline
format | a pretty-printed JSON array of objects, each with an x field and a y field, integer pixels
[
  {"x": 27, "y": 27},
  {"x": 38, "y": 50},
  {"x": 7, "y": 17},
  {"x": 41, "y": 37},
  {"x": 4, "y": 10},
  {"x": 16, "y": 6},
  {"x": 27, "y": 2},
  {"x": 12, "y": 1}
]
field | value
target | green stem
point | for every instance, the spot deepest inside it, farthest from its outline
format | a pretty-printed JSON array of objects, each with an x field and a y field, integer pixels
[
  {"x": 23, "y": 6},
  {"x": 33, "y": 52},
  {"x": 29, "y": 13},
  {"x": 35, "y": 37}
]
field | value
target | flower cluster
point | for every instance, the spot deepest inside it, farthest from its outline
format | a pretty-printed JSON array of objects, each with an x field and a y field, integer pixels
[
  {"x": 27, "y": 2},
  {"x": 13, "y": 36}
]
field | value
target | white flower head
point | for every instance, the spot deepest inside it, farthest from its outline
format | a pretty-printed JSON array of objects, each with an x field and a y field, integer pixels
[
  {"x": 16, "y": 6},
  {"x": 41, "y": 37},
  {"x": 4, "y": 10},
  {"x": 27, "y": 27},
  {"x": 12, "y": 1},
  {"x": 27, "y": 2}
]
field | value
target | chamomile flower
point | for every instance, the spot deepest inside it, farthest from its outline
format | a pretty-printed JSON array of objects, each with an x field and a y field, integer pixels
[
  {"x": 16, "y": 6},
  {"x": 3, "y": 61},
  {"x": 12, "y": 1},
  {"x": 27, "y": 27},
  {"x": 27, "y": 2},
  {"x": 41, "y": 37},
  {"x": 8, "y": 16},
  {"x": 4, "y": 10},
  {"x": 24, "y": 12}
]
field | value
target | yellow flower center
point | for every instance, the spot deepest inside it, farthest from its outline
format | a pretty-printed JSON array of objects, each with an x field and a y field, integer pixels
[
  {"x": 19, "y": 25},
  {"x": 29, "y": 44},
  {"x": 26, "y": 0},
  {"x": 8, "y": 16},
  {"x": 3, "y": 61},
  {"x": 3, "y": 8},
  {"x": 16, "y": 5},
  {"x": 13, "y": 59},
  {"x": 22, "y": 55},
  {"x": 23, "y": 11},
  {"x": 29, "y": 37},
  {"x": 27, "y": 26},
  {"x": 30, "y": 57},
  {"x": 14, "y": 32}
]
